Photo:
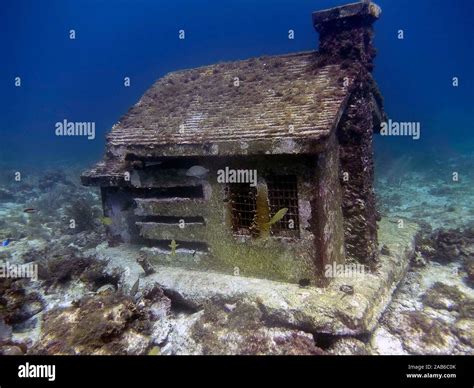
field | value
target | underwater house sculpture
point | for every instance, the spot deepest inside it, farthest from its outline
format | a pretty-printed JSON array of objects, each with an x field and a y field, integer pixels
[{"x": 261, "y": 167}]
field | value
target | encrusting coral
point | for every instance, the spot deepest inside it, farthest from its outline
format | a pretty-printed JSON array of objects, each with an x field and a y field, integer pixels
[{"x": 106, "y": 323}]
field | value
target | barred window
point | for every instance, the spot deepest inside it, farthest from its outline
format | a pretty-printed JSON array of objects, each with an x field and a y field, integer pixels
[
  {"x": 282, "y": 193},
  {"x": 242, "y": 199}
]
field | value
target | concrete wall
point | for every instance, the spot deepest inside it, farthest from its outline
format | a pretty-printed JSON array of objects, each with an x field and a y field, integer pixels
[{"x": 149, "y": 213}]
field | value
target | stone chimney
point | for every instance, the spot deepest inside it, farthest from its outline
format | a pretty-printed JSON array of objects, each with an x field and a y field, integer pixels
[{"x": 346, "y": 33}]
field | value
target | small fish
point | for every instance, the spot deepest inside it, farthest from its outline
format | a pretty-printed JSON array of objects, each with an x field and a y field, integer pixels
[
  {"x": 173, "y": 247},
  {"x": 346, "y": 289},
  {"x": 107, "y": 221},
  {"x": 134, "y": 288},
  {"x": 29, "y": 210},
  {"x": 151, "y": 164},
  {"x": 230, "y": 307},
  {"x": 277, "y": 216},
  {"x": 197, "y": 171},
  {"x": 5, "y": 242}
]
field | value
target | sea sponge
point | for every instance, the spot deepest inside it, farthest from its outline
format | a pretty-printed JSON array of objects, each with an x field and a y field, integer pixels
[
  {"x": 83, "y": 215},
  {"x": 62, "y": 268}
]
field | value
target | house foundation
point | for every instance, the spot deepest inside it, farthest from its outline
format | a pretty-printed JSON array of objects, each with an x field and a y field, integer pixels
[{"x": 331, "y": 310}]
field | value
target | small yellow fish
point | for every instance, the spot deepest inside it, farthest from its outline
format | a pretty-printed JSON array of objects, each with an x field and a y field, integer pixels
[
  {"x": 277, "y": 217},
  {"x": 173, "y": 247},
  {"x": 107, "y": 221},
  {"x": 134, "y": 289}
]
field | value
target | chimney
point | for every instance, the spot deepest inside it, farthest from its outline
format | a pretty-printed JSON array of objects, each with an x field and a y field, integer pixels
[{"x": 346, "y": 33}]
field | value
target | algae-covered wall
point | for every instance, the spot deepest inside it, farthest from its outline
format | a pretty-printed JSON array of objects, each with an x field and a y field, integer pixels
[
  {"x": 357, "y": 176},
  {"x": 328, "y": 220},
  {"x": 346, "y": 37},
  {"x": 195, "y": 212}
]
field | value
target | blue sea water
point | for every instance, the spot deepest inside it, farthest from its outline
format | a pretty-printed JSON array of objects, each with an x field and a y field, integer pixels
[{"x": 82, "y": 79}]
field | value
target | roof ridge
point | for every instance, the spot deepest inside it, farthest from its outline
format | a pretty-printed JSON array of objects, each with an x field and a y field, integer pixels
[{"x": 286, "y": 55}]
